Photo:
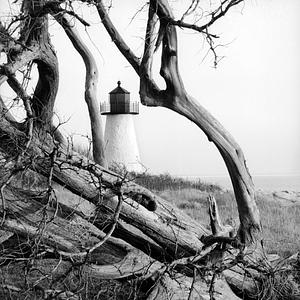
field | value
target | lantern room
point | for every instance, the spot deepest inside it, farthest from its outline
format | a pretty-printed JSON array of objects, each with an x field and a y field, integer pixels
[{"x": 119, "y": 103}]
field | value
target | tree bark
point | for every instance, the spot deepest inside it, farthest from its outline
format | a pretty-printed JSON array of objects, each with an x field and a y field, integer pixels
[{"x": 34, "y": 31}]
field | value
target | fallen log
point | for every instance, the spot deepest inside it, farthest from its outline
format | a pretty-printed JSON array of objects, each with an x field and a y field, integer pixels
[
  {"x": 151, "y": 244},
  {"x": 167, "y": 226},
  {"x": 72, "y": 239}
]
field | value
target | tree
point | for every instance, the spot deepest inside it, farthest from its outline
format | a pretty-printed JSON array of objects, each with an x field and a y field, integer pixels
[{"x": 132, "y": 229}]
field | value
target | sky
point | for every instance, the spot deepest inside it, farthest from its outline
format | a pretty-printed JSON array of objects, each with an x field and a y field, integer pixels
[{"x": 254, "y": 92}]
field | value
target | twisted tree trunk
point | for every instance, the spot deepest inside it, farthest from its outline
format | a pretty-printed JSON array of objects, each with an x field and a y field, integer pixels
[{"x": 177, "y": 99}]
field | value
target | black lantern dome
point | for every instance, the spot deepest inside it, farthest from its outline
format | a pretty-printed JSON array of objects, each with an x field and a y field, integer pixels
[{"x": 119, "y": 103}]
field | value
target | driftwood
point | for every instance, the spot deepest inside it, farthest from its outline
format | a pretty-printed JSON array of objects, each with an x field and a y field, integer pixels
[
  {"x": 161, "y": 246},
  {"x": 161, "y": 236},
  {"x": 167, "y": 225}
]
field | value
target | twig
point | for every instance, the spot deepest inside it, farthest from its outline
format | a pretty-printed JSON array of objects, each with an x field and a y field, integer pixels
[
  {"x": 116, "y": 37},
  {"x": 115, "y": 222},
  {"x": 102, "y": 241},
  {"x": 190, "y": 9},
  {"x": 193, "y": 283},
  {"x": 120, "y": 185},
  {"x": 48, "y": 275},
  {"x": 212, "y": 287},
  {"x": 10, "y": 287},
  {"x": 81, "y": 20},
  {"x": 201, "y": 29},
  {"x": 6, "y": 35},
  {"x": 20, "y": 91},
  {"x": 209, "y": 240},
  {"x": 138, "y": 11},
  {"x": 3, "y": 198},
  {"x": 17, "y": 87}
]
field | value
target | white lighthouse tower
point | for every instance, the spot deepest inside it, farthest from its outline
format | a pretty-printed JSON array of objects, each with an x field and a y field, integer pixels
[{"x": 121, "y": 146}]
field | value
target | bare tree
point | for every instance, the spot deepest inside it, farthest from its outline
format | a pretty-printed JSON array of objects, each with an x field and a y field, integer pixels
[
  {"x": 127, "y": 227},
  {"x": 177, "y": 99}
]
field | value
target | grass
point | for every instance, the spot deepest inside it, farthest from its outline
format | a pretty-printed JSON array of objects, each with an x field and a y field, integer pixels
[
  {"x": 167, "y": 182},
  {"x": 281, "y": 224}
]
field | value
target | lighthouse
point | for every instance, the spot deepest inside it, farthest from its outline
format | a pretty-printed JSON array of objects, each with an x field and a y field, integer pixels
[{"x": 121, "y": 147}]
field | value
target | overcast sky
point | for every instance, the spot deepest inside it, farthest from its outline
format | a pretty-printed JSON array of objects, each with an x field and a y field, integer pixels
[{"x": 254, "y": 92}]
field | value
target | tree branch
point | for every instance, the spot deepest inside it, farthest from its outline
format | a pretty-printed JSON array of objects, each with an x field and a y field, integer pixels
[
  {"x": 147, "y": 84},
  {"x": 91, "y": 81},
  {"x": 116, "y": 37},
  {"x": 8, "y": 43},
  {"x": 179, "y": 101},
  {"x": 20, "y": 60},
  {"x": 201, "y": 29},
  {"x": 217, "y": 14},
  {"x": 17, "y": 87}
]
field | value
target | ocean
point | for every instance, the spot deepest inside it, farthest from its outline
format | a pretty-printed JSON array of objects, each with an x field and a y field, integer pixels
[{"x": 261, "y": 182}]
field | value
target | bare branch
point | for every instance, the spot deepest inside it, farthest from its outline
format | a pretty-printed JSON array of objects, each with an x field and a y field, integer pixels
[
  {"x": 201, "y": 29},
  {"x": 91, "y": 82},
  {"x": 4, "y": 110},
  {"x": 218, "y": 13},
  {"x": 150, "y": 38},
  {"x": 3, "y": 202},
  {"x": 116, "y": 37},
  {"x": 17, "y": 87},
  {"x": 19, "y": 61},
  {"x": 72, "y": 13},
  {"x": 113, "y": 226},
  {"x": 90, "y": 250},
  {"x": 221, "y": 11},
  {"x": 169, "y": 57},
  {"x": 190, "y": 9},
  {"x": 137, "y": 12},
  {"x": 149, "y": 91},
  {"x": 8, "y": 43}
]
